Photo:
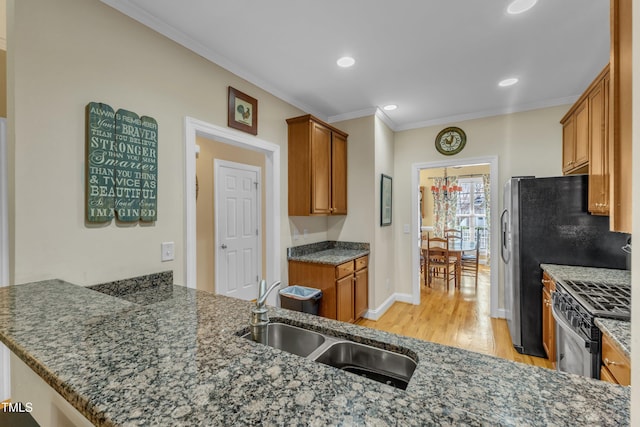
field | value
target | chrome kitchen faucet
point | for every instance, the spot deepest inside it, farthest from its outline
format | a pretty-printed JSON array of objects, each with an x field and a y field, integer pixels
[{"x": 259, "y": 317}]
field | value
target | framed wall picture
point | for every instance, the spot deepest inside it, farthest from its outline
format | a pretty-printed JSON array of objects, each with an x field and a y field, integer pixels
[
  {"x": 243, "y": 112},
  {"x": 385, "y": 200}
]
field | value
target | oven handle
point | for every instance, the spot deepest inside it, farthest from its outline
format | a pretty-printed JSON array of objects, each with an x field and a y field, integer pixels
[{"x": 565, "y": 325}]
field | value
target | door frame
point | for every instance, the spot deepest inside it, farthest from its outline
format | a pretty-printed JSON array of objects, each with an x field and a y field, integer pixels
[
  {"x": 495, "y": 226},
  {"x": 217, "y": 165},
  {"x": 195, "y": 127},
  {"x": 5, "y": 372}
]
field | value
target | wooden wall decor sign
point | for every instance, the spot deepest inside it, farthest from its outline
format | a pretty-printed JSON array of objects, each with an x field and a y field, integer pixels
[{"x": 122, "y": 165}]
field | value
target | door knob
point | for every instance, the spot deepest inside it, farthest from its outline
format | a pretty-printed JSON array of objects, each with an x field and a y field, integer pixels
[{"x": 223, "y": 246}]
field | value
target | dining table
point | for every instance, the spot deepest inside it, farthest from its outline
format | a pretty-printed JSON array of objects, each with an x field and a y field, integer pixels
[{"x": 456, "y": 249}]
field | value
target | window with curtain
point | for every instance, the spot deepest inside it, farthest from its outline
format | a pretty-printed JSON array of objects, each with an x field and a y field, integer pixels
[{"x": 472, "y": 211}]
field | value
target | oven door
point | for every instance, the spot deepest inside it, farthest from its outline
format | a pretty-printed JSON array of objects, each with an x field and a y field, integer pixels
[{"x": 573, "y": 349}]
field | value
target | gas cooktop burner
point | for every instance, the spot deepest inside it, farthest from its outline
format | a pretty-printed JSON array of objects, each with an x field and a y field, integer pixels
[{"x": 602, "y": 299}]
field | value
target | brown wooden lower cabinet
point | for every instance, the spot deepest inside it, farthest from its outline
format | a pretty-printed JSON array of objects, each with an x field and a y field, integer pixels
[
  {"x": 345, "y": 288},
  {"x": 616, "y": 366},
  {"x": 548, "y": 322},
  {"x": 344, "y": 304},
  {"x": 361, "y": 291}
]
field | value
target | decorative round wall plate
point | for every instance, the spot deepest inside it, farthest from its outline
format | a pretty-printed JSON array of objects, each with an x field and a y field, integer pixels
[{"x": 450, "y": 141}]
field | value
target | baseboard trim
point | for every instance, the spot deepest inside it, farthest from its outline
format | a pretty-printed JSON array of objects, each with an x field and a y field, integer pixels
[
  {"x": 501, "y": 313},
  {"x": 376, "y": 313}
]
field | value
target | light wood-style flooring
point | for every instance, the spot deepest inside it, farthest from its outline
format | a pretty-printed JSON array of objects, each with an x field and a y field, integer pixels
[{"x": 459, "y": 318}]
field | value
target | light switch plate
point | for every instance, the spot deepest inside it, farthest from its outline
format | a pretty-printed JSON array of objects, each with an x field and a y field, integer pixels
[
  {"x": 406, "y": 229},
  {"x": 168, "y": 251}
]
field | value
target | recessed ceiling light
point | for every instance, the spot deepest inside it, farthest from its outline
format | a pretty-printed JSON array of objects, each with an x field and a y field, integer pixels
[
  {"x": 508, "y": 82},
  {"x": 390, "y": 107},
  {"x": 346, "y": 62},
  {"x": 519, "y": 6}
]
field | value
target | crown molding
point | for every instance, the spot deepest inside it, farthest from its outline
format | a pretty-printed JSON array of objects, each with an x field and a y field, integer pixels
[
  {"x": 489, "y": 113},
  {"x": 151, "y": 21}
]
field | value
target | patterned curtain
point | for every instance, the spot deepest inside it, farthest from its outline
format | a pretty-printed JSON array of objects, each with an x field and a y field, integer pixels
[
  {"x": 487, "y": 199},
  {"x": 444, "y": 208}
]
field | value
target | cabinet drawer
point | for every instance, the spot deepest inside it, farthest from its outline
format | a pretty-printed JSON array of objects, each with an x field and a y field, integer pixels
[
  {"x": 616, "y": 361},
  {"x": 362, "y": 262},
  {"x": 344, "y": 269}
]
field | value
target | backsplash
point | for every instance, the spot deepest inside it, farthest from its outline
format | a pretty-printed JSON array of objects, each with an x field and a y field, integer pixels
[{"x": 124, "y": 287}]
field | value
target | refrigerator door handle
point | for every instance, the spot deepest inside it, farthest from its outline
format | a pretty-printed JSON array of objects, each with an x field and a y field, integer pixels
[{"x": 506, "y": 255}]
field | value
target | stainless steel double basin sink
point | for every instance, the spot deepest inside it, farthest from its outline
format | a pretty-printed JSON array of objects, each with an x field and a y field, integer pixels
[{"x": 374, "y": 363}]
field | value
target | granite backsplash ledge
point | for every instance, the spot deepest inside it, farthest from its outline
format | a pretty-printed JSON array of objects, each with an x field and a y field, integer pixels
[
  {"x": 302, "y": 250},
  {"x": 120, "y": 288}
]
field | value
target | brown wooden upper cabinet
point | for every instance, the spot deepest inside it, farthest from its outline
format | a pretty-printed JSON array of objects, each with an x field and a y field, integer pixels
[
  {"x": 575, "y": 139},
  {"x": 587, "y": 125},
  {"x": 599, "y": 145},
  {"x": 620, "y": 117},
  {"x": 317, "y": 168}
]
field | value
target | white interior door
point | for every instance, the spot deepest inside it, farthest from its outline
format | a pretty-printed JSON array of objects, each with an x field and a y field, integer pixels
[{"x": 238, "y": 262}]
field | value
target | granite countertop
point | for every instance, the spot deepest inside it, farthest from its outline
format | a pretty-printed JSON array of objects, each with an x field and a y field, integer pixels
[
  {"x": 571, "y": 272},
  {"x": 619, "y": 331},
  {"x": 329, "y": 252},
  {"x": 178, "y": 360}
]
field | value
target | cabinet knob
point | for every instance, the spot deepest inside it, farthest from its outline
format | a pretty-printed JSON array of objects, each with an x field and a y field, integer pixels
[{"x": 610, "y": 362}]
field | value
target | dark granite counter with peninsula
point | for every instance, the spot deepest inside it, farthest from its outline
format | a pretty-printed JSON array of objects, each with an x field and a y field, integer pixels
[
  {"x": 328, "y": 252},
  {"x": 168, "y": 355}
]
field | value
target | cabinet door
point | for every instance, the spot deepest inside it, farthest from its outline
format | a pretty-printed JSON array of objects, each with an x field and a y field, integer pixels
[
  {"x": 615, "y": 361},
  {"x": 320, "y": 169},
  {"x": 605, "y": 375},
  {"x": 548, "y": 327},
  {"x": 620, "y": 116},
  {"x": 339, "y": 175},
  {"x": 344, "y": 294},
  {"x": 581, "y": 153},
  {"x": 598, "y": 150},
  {"x": 568, "y": 144},
  {"x": 361, "y": 290}
]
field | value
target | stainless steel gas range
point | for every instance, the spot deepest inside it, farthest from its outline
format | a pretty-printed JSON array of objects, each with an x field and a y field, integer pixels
[{"x": 576, "y": 304}]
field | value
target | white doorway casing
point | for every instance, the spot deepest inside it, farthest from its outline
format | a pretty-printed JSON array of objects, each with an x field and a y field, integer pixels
[
  {"x": 415, "y": 231},
  {"x": 195, "y": 127},
  {"x": 5, "y": 380},
  {"x": 238, "y": 238}
]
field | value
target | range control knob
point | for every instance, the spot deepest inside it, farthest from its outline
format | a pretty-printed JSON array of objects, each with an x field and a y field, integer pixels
[{"x": 575, "y": 320}]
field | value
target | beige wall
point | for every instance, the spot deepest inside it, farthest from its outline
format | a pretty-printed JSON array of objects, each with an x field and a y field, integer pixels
[
  {"x": 528, "y": 143},
  {"x": 383, "y": 262},
  {"x": 205, "y": 205},
  {"x": 64, "y": 54}
]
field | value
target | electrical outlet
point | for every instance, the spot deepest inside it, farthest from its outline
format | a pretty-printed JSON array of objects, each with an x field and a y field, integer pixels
[{"x": 168, "y": 251}]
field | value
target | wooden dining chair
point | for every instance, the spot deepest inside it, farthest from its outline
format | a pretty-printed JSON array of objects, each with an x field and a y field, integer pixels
[
  {"x": 452, "y": 233},
  {"x": 469, "y": 260},
  {"x": 438, "y": 257}
]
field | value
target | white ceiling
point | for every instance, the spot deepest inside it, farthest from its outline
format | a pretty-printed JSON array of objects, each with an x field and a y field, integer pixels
[{"x": 438, "y": 60}]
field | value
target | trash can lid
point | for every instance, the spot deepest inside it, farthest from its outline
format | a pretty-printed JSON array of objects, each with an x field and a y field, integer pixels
[{"x": 300, "y": 292}]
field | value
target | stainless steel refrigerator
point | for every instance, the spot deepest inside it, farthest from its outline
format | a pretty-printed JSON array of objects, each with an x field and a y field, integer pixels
[{"x": 546, "y": 221}]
